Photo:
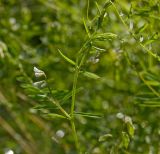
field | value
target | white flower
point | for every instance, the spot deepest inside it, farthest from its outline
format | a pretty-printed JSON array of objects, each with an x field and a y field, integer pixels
[
  {"x": 36, "y": 70},
  {"x": 39, "y": 84},
  {"x": 128, "y": 119},
  {"x": 38, "y": 73},
  {"x": 141, "y": 39}
]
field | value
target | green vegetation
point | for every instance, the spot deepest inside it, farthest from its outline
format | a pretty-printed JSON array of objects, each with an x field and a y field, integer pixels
[{"x": 79, "y": 77}]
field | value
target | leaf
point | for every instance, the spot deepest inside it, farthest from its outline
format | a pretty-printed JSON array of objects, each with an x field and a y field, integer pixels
[
  {"x": 149, "y": 42},
  {"x": 39, "y": 97},
  {"x": 99, "y": 11},
  {"x": 63, "y": 95},
  {"x": 104, "y": 137},
  {"x": 40, "y": 84},
  {"x": 125, "y": 140},
  {"x": 102, "y": 14},
  {"x": 130, "y": 129},
  {"x": 104, "y": 36},
  {"x": 67, "y": 96},
  {"x": 91, "y": 75},
  {"x": 150, "y": 76},
  {"x": 60, "y": 94},
  {"x": 141, "y": 29},
  {"x": 153, "y": 83},
  {"x": 147, "y": 99},
  {"x": 43, "y": 106},
  {"x": 54, "y": 115},
  {"x": 66, "y": 58},
  {"x": 86, "y": 28},
  {"x": 151, "y": 103},
  {"x": 145, "y": 95},
  {"x": 89, "y": 115},
  {"x": 22, "y": 79}
]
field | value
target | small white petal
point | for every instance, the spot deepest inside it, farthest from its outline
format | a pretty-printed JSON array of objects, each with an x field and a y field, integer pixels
[
  {"x": 141, "y": 39},
  {"x": 127, "y": 119},
  {"x": 131, "y": 25},
  {"x": 121, "y": 14},
  {"x": 43, "y": 85},
  {"x": 36, "y": 70},
  {"x": 39, "y": 84},
  {"x": 96, "y": 60},
  {"x": 39, "y": 74}
]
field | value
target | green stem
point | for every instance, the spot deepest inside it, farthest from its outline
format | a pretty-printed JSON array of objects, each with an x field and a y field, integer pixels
[
  {"x": 75, "y": 136},
  {"x": 55, "y": 102},
  {"x": 73, "y": 106},
  {"x": 77, "y": 69},
  {"x": 60, "y": 108},
  {"x": 74, "y": 90}
]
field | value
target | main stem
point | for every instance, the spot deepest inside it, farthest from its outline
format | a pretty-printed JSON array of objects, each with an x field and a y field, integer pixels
[
  {"x": 73, "y": 106},
  {"x": 75, "y": 136},
  {"x": 74, "y": 90}
]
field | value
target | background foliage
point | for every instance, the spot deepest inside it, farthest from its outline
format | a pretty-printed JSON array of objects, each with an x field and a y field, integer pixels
[{"x": 127, "y": 93}]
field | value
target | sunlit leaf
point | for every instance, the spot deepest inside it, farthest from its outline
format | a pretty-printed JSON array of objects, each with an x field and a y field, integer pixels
[{"x": 91, "y": 75}]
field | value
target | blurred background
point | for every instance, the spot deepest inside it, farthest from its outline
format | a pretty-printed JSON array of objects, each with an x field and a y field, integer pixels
[{"x": 31, "y": 31}]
